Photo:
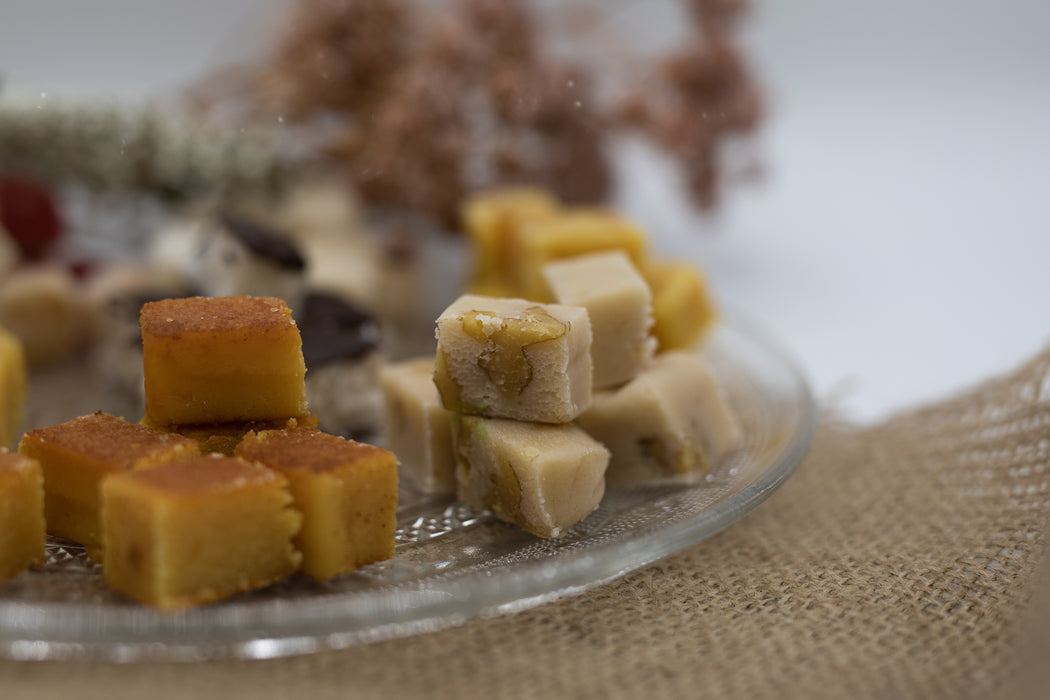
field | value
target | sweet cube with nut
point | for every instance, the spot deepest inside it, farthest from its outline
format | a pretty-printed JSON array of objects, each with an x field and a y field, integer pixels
[
  {"x": 512, "y": 358},
  {"x": 669, "y": 422},
  {"x": 544, "y": 478}
]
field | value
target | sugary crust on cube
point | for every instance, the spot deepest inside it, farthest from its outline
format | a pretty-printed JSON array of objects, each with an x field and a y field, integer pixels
[
  {"x": 201, "y": 476},
  {"x": 209, "y": 315},
  {"x": 110, "y": 439},
  {"x": 12, "y": 463},
  {"x": 224, "y": 437},
  {"x": 309, "y": 450},
  {"x": 547, "y": 379}
]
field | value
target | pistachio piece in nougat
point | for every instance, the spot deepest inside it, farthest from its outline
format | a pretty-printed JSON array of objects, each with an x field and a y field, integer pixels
[
  {"x": 669, "y": 422},
  {"x": 619, "y": 304},
  {"x": 512, "y": 358},
  {"x": 417, "y": 425},
  {"x": 544, "y": 478}
]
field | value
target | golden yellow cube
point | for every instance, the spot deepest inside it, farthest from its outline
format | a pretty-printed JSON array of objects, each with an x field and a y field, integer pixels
[
  {"x": 75, "y": 456},
  {"x": 346, "y": 491},
  {"x": 683, "y": 308},
  {"x": 21, "y": 514},
  {"x": 491, "y": 221},
  {"x": 576, "y": 232},
  {"x": 197, "y": 530},
  {"x": 221, "y": 360},
  {"x": 14, "y": 381}
]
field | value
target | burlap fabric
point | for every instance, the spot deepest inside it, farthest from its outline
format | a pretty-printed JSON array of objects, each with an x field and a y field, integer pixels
[{"x": 900, "y": 561}]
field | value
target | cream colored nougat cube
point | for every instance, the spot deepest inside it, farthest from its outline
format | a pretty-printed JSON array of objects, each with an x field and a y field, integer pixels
[
  {"x": 417, "y": 425},
  {"x": 543, "y": 478},
  {"x": 512, "y": 358},
  {"x": 492, "y": 220},
  {"x": 668, "y": 422},
  {"x": 619, "y": 305}
]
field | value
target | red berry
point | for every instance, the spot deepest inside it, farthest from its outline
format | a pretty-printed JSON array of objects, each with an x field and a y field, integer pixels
[{"x": 29, "y": 213}]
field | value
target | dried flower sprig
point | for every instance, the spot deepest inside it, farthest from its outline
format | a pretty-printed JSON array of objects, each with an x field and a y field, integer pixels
[{"x": 106, "y": 146}]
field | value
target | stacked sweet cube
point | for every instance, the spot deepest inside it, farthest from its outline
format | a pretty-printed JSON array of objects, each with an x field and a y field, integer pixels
[
  {"x": 175, "y": 525},
  {"x": 558, "y": 389}
]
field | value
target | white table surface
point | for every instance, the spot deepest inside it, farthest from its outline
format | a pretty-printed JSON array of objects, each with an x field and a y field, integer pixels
[{"x": 899, "y": 243}]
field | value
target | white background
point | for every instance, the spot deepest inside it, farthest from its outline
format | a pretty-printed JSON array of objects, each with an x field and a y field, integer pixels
[{"x": 899, "y": 244}]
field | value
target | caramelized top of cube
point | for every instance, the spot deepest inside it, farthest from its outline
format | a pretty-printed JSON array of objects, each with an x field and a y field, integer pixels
[
  {"x": 13, "y": 463},
  {"x": 103, "y": 436},
  {"x": 203, "y": 475},
  {"x": 306, "y": 449},
  {"x": 172, "y": 317}
]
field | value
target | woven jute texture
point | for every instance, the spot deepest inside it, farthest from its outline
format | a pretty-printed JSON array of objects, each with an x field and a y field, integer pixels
[{"x": 902, "y": 560}]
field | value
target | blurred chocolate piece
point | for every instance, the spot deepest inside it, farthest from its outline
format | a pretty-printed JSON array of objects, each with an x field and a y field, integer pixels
[{"x": 341, "y": 349}]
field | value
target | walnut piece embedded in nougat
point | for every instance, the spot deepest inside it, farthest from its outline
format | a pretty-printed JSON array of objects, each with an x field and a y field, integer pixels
[
  {"x": 512, "y": 358},
  {"x": 544, "y": 478}
]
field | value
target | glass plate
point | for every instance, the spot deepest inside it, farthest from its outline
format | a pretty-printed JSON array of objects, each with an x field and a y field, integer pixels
[{"x": 451, "y": 563}]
